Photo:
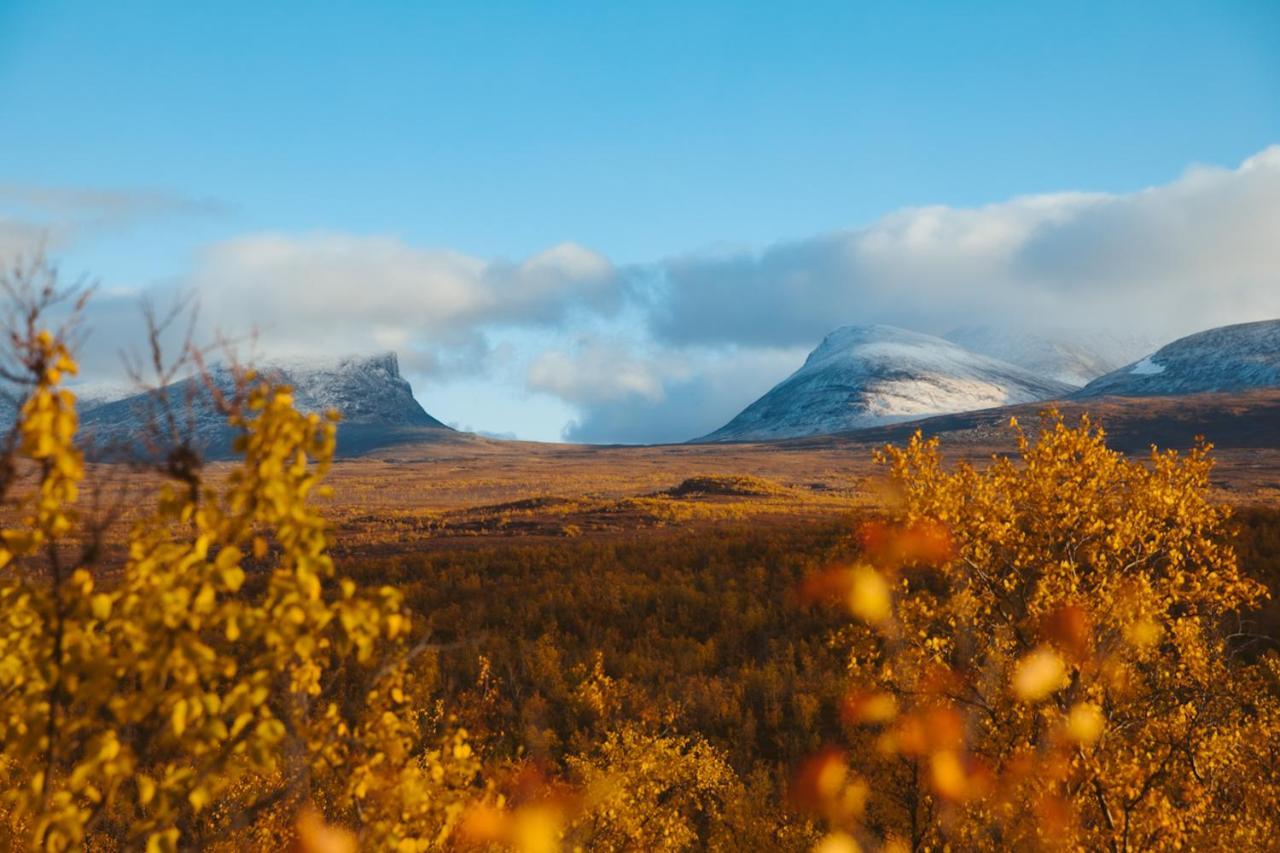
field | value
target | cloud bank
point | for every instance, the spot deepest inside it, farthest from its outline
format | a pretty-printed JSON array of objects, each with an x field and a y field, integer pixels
[
  {"x": 691, "y": 393},
  {"x": 1199, "y": 251},
  {"x": 672, "y": 349},
  {"x": 328, "y": 292}
]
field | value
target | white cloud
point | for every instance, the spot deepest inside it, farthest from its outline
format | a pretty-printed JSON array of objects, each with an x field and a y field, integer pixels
[
  {"x": 20, "y": 239},
  {"x": 102, "y": 206},
  {"x": 1199, "y": 251},
  {"x": 52, "y": 218},
  {"x": 1196, "y": 252},
  {"x": 328, "y": 293},
  {"x": 595, "y": 371},
  {"x": 700, "y": 389}
]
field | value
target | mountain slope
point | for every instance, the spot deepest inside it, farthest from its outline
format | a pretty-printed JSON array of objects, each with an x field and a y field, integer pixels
[
  {"x": 1228, "y": 358},
  {"x": 863, "y": 376},
  {"x": 375, "y": 401},
  {"x": 1075, "y": 358}
]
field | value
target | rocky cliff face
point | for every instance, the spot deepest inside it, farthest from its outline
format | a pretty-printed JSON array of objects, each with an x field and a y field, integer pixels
[{"x": 369, "y": 392}]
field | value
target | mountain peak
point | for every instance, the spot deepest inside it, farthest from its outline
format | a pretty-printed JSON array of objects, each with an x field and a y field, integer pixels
[
  {"x": 841, "y": 341},
  {"x": 387, "y": 363},
  {"x": 367, "y": 390},
  {"x": 862, "y": 376}
]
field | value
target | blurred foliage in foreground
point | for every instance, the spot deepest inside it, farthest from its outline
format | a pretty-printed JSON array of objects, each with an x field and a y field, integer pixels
[
  {"x": 1048, "y": 655},
  {"x": 1045, "y": 653}
]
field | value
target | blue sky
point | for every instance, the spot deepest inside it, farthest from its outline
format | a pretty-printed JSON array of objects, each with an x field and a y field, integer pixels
[{"x": 642, "y": 133}]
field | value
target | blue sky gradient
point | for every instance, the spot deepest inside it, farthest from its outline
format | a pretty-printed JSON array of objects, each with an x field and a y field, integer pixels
[{"x": 641, "y": 131}]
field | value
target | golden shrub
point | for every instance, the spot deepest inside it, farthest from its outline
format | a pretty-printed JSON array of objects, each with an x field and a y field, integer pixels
[
  {"x": 195, "y": 692},
  {"x": 1053, "y": 669}
]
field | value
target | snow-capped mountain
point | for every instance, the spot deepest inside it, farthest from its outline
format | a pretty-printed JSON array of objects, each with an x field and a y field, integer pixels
[
  {"x": 1228, "y": 358},
  {"x": 366, "y": 390},
  {"x": 369, "y": 392},
  {"x": 863, "y": 376},
  {"x": 1075, "y": 358},
  {"x": 90, "y": 395}
]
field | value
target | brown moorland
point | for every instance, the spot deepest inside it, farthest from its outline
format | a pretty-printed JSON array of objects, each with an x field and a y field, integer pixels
[{"x": 468, "y": 489}]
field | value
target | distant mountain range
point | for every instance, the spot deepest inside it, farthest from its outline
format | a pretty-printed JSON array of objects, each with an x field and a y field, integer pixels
[
  {"x": 859, "y": 378},
  {"x": 865, "y": 376},
  {"x": 376, "y": 403}
]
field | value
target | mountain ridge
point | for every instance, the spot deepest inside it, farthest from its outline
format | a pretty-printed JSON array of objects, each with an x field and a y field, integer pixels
[
  {"x": 368, "y": 391},
  {"x": 872, "y": 375},
  {"x": 1236, "y": 357}
]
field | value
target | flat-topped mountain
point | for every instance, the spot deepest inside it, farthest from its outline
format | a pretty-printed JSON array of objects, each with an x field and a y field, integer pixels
[
  {"x": 865, "y": 376},
  {"x": 375, "y": 401}
]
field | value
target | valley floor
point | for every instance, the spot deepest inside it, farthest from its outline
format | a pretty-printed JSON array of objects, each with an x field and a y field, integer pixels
[
  {"x": 462, "y": 492},
  {"x": 669, "y": 577}
]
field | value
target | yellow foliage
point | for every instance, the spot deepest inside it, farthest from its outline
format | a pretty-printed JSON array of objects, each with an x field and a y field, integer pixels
[
  {"x": 649, "y": 792},
  {"x": 1037, "y": 674},
  {"x": 191, "y": 693},
  {"x": 1060, "y": 668}
]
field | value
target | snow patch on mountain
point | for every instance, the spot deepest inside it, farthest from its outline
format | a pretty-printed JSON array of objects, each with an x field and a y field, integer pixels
[
  {"x": 1228, "y": 358},
  {"x": 863, "y": 376},
  {"x": 1147, "y": 367}
]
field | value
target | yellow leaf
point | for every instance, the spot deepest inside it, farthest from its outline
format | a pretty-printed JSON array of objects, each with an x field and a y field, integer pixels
[
  {"x": 536, "y": 829},
  {"x": 869, "y": 595},
  {"x": 1085, "y": 722},
  {"x": 837, "y": 842},
  {"x": 179, "y": 717},
  {"x": 199, "y": 798},
  {"x": 163, "y": 842},
  {"x": 947, "y": 773},
  {"x": 109, "y": 748},
  {"x": 1144, "y": 633},
  {"x": 1038, "y": 674},
  {"x": 870, "y": 707}
]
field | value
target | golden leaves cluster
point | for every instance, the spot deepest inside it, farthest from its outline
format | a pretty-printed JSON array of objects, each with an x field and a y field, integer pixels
[
  {"x": 1043, "y": 660},
  {"x": 201, "y": 686}
]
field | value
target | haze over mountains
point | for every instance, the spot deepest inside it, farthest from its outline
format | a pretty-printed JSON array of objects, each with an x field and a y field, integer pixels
[
  {"x": 1074, "y": 358},
  {"x": 1228, "y": 358}
]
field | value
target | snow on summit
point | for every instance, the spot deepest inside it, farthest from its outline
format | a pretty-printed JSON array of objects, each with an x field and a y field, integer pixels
[
  {"x": 864, "y": 376},
  {"x": 368, "y": 391}
]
